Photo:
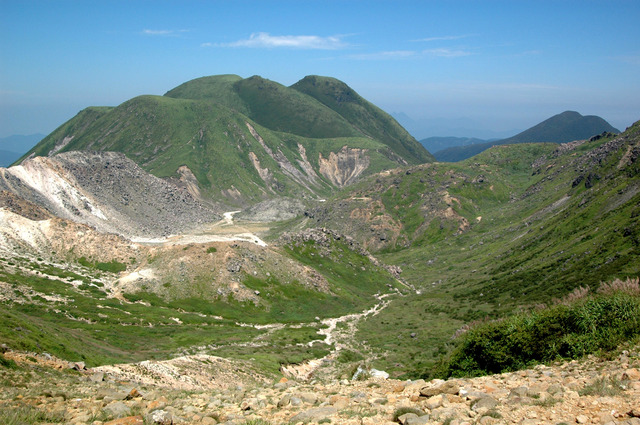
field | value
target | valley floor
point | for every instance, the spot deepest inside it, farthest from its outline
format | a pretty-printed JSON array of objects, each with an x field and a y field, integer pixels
[{"x": 592, "y": 391}]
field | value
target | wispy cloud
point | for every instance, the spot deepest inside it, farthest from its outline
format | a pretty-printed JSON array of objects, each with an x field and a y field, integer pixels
[
  {"x": 165, "y": 33},
  {"x": 266, "y": 40},
  {"x": 632, "y": 59},
  {"x": 394, "y": 54},
  {"x": 443, "y": 38},
  {"x": 406, "y": 54},
  {"x": 446, "y": 53}
]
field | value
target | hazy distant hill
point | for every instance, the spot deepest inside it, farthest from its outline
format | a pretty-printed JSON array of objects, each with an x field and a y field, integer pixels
[
  {"x": 561, "y": 128},
  {"x": 247, "y": 140},
  {"x": 435, "y": 144},
  {"x": 13, "y": 147}
]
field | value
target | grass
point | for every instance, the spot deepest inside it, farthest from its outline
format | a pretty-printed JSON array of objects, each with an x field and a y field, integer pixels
[
  {"x": 586, "y": 325},
  {"x": 28, "y": 415},
  {"x": 605, "y": 386}
]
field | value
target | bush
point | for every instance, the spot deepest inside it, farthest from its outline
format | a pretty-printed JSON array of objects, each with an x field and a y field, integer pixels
[
  {"x": 7, "y": 363},
  {"x": 577, "y": 326}
]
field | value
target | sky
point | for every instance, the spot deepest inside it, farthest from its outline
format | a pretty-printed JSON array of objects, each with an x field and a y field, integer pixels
[{"x": 477, "y": 67}]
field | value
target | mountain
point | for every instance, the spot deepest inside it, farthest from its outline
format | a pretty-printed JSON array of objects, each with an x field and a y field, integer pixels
[
  {"x": 246, "y": 140},
  {"x": 435, "y": 144},
  {"x": 561, "y": 128}
]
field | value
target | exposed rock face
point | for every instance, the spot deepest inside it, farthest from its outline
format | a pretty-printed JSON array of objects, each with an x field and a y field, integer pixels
[
  {"x": 344, "y": 167},
  {"x": 106, "y": 191}
]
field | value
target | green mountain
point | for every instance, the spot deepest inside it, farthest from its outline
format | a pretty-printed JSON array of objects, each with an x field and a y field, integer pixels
[
  {"x": 245, "y": 140},
  {"x": 561, "y": 128},
  {"x": 366, "y": 117}
]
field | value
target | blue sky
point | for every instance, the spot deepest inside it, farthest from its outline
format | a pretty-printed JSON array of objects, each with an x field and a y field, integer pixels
[{"x": 481, "y": 65}]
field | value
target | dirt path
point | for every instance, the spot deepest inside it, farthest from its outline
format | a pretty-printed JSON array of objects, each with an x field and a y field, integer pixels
[
  {"x": 340, "y": 338},
  {"x": 225, "y": 230}
]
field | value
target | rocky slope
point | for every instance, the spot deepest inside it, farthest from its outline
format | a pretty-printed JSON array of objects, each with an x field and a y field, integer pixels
[
  {"x": 108, "y": 192},
  {"x": 590, "y": 391}
]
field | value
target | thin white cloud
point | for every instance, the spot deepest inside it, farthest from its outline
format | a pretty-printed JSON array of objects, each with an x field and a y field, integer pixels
[
  {"x": 443, "y": 38},
  {"x": 394, "y": 54},
  {"x": 446, "y": 53},
  {"x": 266, "y": 40},
  {"x": 165, "y": 33},
  {"x": 632, "y": 59}
]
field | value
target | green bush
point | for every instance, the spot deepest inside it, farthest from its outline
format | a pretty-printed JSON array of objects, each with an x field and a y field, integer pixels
[
  {"x": 7, "y": 363},
  {"x": 590, "y": 324}
]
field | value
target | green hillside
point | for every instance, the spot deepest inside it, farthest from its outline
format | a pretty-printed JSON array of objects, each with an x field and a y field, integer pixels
[
  {"x": 561, "y": 128},
  {"x": 245, "y": 140},
  {"x": 366, "y": 117},
  {"x": 517, "y": 225}
]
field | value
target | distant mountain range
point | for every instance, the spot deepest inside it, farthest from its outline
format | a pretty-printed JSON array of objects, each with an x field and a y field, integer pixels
[
  {"x": 247, "y": 140},
  {"x": 565, "y": 127},
  {"x": 13, "y": 147}
]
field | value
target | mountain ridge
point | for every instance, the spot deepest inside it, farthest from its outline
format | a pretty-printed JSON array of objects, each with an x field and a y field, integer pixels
[
  {"x": 561, "y": 128},
  {"x": 245, "y": 140}
]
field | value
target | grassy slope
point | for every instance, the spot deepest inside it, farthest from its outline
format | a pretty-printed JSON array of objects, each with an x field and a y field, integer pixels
[
  {"x": 83, "y": 324},
  {"x": 541, "y": 235},
  {"x": 365, "y": 116}
]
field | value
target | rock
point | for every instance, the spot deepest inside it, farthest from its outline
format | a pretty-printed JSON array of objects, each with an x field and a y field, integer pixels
[
  {"x": 97, "y": 377},
  {"x": 133, "y": 394},
  {"x": 309, "y": 398},
  {"x": 129, "y": 420},
  {"x": 338, "y": 401},
  {"x": 117, "y": 409},
  {"x": 404, "y": 418},
  {"x": 159, "y": 403},
  {"x": 631, "y": 375},
  {"x": 484, "y": 403},
  {"x": 419, "y": 420},
  {"x": 582, "y": 419},
  {"x": 435, "y": 401},
  {"x": 449, "y": 387},
  {"x": 285, "y": 400},
  {"x": 635, "y": 412},
  {"x": 160, "y": 417},
  {"x": 77, "y": 366},
  {"x": 315, "y": 414}
]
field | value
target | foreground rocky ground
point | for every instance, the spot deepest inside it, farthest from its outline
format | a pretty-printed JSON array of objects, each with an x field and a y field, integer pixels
[{"x": 591, "y": 391}]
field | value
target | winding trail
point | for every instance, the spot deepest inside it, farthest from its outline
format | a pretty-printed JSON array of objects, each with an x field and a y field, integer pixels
[{"x": 339, "y": 338}]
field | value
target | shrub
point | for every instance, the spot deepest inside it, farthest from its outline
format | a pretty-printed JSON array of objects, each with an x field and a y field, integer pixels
[
  {"x": 8, "y": 363},
  {"x": 579, "y": 325}
]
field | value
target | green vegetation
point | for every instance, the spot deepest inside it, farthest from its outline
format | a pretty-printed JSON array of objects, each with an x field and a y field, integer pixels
[
  {"x": 203, "y": 124},
  {"x": 539, "y": 236},
  {"x": 112, "y": 266},
  {"x": 29, "y": 415},
  {"x": 579, "y": 326},
  {"x": 7, "y": 363}
]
